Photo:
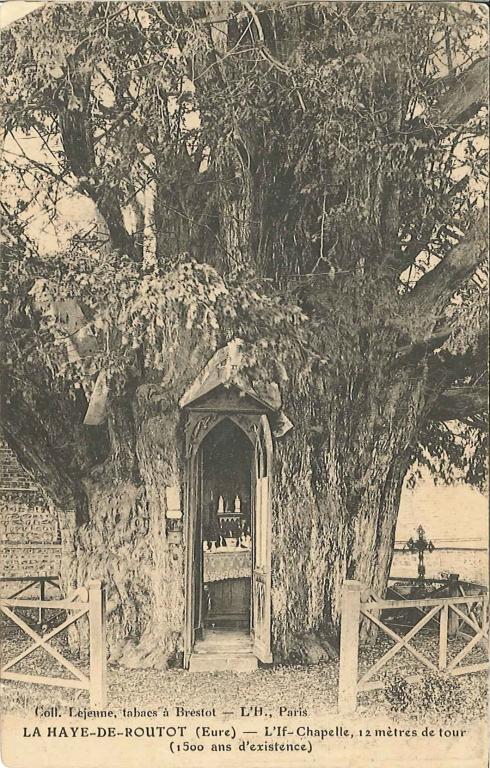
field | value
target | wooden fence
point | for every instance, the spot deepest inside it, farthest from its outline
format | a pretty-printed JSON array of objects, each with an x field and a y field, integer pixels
[
  {"x": 32, "y": 582},
  {"x": 359, "y": 602},
  {"x": 86, "y": 601},
  {"x": 449, "y": 586}
]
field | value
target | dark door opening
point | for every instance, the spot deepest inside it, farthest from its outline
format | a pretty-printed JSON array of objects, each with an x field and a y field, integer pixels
[{"x": 223, "y": 547}]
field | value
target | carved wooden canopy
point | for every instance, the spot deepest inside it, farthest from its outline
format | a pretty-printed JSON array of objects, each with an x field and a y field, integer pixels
[
  {"x": 222, "y": 389},
  {"x": 224, "y": 374}
]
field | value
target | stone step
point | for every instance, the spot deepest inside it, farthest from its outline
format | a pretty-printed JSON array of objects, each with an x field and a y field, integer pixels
[
  {"x": 224, "y": 644},
  {"x": 226, "y": 634},
  {"x": 216, "y": 650},
  {"x": 220, "y": 662}
]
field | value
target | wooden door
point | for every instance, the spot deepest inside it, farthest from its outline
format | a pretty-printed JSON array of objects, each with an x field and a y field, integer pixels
[
  {"x": 261, "y": 577},
  {"x": 198, "y": 555},
  {"x": 193, "y": 579}
]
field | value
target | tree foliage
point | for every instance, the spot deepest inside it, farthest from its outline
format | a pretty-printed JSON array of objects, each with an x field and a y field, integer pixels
[{"x": 307, "y": 177}]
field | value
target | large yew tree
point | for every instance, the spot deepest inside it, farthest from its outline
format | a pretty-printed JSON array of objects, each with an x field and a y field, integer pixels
[{"x": 306, "y": 177}]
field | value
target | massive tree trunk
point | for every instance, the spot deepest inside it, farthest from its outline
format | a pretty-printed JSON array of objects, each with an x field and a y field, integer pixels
[
  {"x": 125, "y": 542},
  {"x": 337, "y": 491},
  {"x": 112, "y": 512}
]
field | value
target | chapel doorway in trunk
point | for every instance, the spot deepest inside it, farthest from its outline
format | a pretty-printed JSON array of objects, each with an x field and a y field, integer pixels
[
  {"x": 228, "y": 580},
  {"x": 225, "y": 534},
  {"x": 228, "y": 442}
]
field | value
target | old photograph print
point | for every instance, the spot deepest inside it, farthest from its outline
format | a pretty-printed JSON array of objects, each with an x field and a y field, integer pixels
[{"x": 244, "y": 421}]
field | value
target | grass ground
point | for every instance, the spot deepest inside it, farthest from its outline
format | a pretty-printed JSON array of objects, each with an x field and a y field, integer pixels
[{"x": 313, "y": 688}]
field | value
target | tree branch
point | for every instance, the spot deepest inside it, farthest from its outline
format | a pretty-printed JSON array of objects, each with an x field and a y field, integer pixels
[
  {"x": 460, "y": 97},
  {"x": 435, "y": 288},
  {"x": 78, "y": 143},
  {"x": 466, "y": 402},
  {"x": 420, "y": 348},
  {"x": 32, "y": 442}
]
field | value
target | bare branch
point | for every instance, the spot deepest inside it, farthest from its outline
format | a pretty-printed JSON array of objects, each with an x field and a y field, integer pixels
[
  {"x": 463, "y": 95},
  {"x": 78, "y": 143},
  {"x": 460, "y": 98},
  {"x": 434, "y": 289}
]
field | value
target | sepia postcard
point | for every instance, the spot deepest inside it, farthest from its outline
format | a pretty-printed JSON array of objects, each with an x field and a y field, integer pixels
[{"x": 244, "y": 420}]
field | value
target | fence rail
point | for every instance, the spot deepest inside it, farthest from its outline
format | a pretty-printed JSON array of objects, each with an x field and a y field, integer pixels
[
  {"x": 359, "y": 602},
  {"x": 33, "y": 581},
  {"x": 86, "y": 601}
]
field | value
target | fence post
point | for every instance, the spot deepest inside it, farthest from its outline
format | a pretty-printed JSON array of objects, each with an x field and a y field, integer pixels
[
  {"x": 453, "y": 591},
  {"x": 96, "y": 597},
  {"x": 349, "y": 646},
  {"x": 443, "y": 629},
  {"x": 42, "y": 596}
]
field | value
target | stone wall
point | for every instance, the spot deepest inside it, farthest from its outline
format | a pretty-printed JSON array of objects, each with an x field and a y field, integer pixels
[
  {"x": 29, "y": 530},
  {"x": 27, "y": 518}
]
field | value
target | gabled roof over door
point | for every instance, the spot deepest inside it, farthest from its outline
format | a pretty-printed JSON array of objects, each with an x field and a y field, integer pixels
[{"x": 223, "y": 381}]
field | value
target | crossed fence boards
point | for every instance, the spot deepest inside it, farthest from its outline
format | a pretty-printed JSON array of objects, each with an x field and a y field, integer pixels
[
  {"x": 33, "y": 582},
  {"x": 86, "y": 601},
  {"x": 358, "y": 602}
]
